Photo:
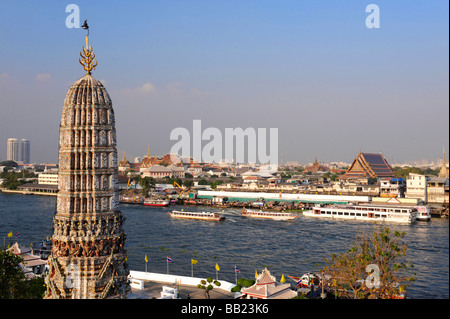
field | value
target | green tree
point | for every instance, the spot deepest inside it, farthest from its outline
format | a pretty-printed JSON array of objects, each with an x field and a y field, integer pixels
[
  {"x": 374, "y": 267},
  {"x": 206, "y": 285},
  {"x": 9, "y": 163},
  {"x": 13, "y": 283},
  {"x": 188, "y": 183},
  {"x": 400, "y": 172},
  {"x": 146, "y": 183},
  {"x": 11, "y": 180}
]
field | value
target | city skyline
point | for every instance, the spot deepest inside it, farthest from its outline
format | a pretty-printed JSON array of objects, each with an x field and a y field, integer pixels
[{"x": 329, "y": 84}]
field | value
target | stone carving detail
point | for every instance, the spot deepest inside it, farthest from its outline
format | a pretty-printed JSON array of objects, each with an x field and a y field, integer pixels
[{"x": 88, "y": 226}]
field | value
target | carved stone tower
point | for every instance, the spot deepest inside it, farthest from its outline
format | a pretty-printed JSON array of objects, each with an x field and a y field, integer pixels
[{"x": 88, "y": 258}]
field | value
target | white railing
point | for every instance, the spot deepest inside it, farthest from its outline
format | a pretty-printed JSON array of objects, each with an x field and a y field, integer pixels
[{"x": 176, "y": 279}]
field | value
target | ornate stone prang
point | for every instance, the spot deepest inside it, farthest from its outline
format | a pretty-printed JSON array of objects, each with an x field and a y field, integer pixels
[{"x": 88, "y": 258}]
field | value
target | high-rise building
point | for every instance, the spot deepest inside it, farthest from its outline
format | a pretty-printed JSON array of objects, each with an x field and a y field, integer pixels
[
  {"x": 13, "y": 150},
  {"x": 88, "y": 259},
  {"x": 25, "y": 151}
]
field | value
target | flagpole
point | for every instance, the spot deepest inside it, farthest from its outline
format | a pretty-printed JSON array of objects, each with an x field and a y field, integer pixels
[{"x": 235, "y": 274}]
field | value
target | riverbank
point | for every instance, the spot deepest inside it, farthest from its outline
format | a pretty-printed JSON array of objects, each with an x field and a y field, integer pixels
[{"x": 25, "y": 192}]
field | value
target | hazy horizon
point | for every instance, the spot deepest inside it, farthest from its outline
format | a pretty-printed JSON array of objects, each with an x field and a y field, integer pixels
[{"x": 313, "y": 70}]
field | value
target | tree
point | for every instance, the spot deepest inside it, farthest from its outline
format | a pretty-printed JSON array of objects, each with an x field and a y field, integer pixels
[
  {"x": 146, "y": 183},
  {"x": 242, "y": 282},
  {"x": 207, "y": 286},
  {"x": 374, "y": 267},
  {"x": 188, "y": 183},
  {"x": 9, "y": 163},
  {"x": 13, "y": 283}
]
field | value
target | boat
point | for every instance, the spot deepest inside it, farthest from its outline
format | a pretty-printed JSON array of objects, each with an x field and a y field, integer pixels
[
  {"x": 131, "y": 199},
  {"x": 307, "y": 280},
  {"x": 196, "y": 215},
  {"x": 368, "y": 212},
  {"x": 423, "y": 212},
  {"x": 267, "y": 215},
  {"x": 259, "y": 203},
  {"x": 156, "y": 202}
]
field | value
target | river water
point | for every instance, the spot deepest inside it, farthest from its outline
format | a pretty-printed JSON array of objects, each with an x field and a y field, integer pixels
[{"x": 285, "y": 247}]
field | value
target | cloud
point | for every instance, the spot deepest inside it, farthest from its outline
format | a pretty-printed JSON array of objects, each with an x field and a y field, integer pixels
[
  {"x": 171, "y": 89},
  {"x": 42, "y": 77},
  {"x": 4, "y": 77},
  {"x": 145, "y": 88}
]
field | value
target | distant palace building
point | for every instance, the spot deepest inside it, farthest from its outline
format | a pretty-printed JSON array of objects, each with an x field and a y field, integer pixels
[
  {"x": 444, "y": 171},
  {"x": 124, "y": 164},
  {"x": 316, "y": 167},
  {"x": 149, "y": 160},
  {"x": 88, "y": 259},
  {"x": 368, "y": 165}
]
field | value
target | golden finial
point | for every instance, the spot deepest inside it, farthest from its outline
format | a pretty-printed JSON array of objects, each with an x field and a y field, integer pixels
[{"x": 88, "y": 57}]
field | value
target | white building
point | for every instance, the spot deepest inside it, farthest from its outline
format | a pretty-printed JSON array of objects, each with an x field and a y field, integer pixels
[
  {"x": 416, "y": 187},
  {"x": 13, "y": 150},
  {"x": 48, "y": 179},
  {"x": 159, "y": 171},
  {"x": 438, "y": 190}
]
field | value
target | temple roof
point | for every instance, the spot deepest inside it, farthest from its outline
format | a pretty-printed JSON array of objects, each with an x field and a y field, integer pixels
[
  {"x": 368, "y": 165},
  {"x": 266, "y": 287}
]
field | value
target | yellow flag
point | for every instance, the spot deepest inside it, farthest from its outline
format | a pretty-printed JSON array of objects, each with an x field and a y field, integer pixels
[
  {"x": 282, "y": 280},
  {"x": 256, "y": 274},
  {"x": 10, "y": 234},
  {"x": 146, "y": 260},
  {"x": 193, "y": 261},
  {"x": 217, "y": 267}
]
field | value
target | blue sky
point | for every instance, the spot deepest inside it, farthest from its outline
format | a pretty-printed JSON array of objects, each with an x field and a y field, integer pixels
[{"x": 312, "y": 69}]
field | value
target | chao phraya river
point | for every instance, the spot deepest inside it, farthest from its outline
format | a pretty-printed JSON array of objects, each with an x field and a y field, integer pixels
[{"x": 285, "y": 247}]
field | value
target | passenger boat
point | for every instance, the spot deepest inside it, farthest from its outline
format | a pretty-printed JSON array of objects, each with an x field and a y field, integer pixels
[
  {"x": 307, "y": 280},
  {"x": 196, "y": 215},
  {"x": 267, "y": 215},
  {"x": 370, "y": 212},
  {"x": 423, "y": 213},
  {"x": 156, "y": 202}
]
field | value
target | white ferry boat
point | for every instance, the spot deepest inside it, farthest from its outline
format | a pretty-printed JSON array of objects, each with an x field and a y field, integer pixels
[
  {"x": 267, "y": 215},
  {"x": 423, "y": 213},
  {"x": 371, "y": 212},
  {"x": 196, "y": 215},
  {"x": 157, "y": 202}
]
